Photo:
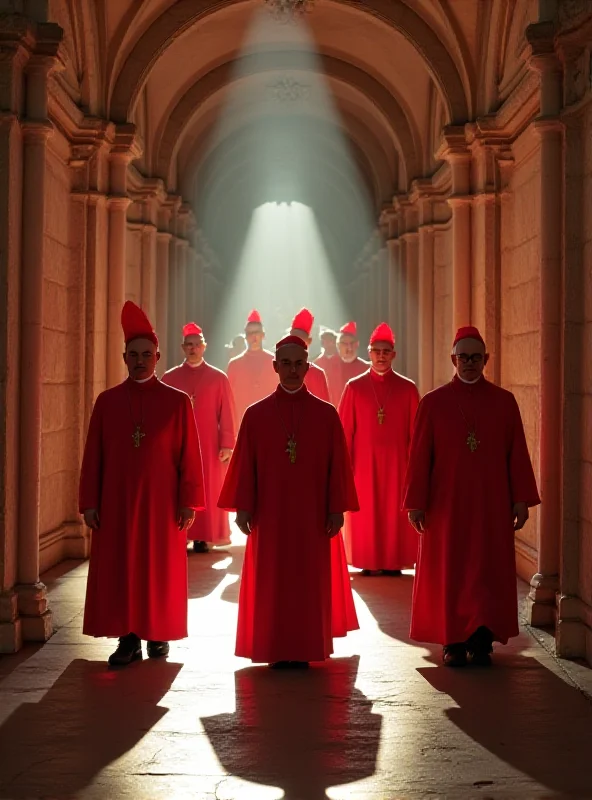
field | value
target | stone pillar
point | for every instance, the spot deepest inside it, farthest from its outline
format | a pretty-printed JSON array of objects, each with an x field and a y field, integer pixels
[
  {"x": 550, "y": 130},
  {"x": 123, "y": 151},
  {"x": 426, "y": 298},
  {"x": 181, "y": 295},
  {"x": 33, "y": 605},
  {"x": 412, "y": 305},
  {"x": 163, "y": 239},
  {"x": 455, "y": 152},
  {"x": 148, "y": 283}
]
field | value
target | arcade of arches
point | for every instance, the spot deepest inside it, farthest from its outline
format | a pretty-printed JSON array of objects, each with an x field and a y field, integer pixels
[{"x": 471, "y": 127}]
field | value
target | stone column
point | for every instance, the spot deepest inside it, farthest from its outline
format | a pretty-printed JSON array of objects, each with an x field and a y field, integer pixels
[
  {"x": 123, "y": 151},
  {"x": 412, "y": 304},
  {"x": 181, "y": 295},
  {"x": 32, "y": 598},
  {"x": 426, "y": 298},
  {"x": 148, "y": 284},
  {"x": 163, "y": 239},
  {"x": 455, "y": 152},
  {"x": 550, "y": 130}
]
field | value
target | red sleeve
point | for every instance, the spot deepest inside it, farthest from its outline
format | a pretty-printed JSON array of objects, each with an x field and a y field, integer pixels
[
  {"x": 239, "y": 491},
  {"x": 523, "y": 486},
  {"x": 226, "y": 421},
  {"x": 417, "y": 481},
  {"x": 191, "y": 483},
  {"x": 347, "y": 414},
  {"x": 342, "y": 489},
  {"x": 91, "y": 472}
]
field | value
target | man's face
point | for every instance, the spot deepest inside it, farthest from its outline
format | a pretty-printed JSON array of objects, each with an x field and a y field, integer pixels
[
  {"x": 291, "y": 365},
  {"x": 329, "y": 344},
  {"x": 254, "y": 335},
  {"x": 469, "y": 359},
  {"x": 141, "y": 358},
  {"x": 194, "y": 348},
  {"x": 382, "y": 355},
  {"x": 348, "y": 347}
]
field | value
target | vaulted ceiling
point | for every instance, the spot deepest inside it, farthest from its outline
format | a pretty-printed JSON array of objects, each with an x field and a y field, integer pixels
[{"x": 202, "y": 83}]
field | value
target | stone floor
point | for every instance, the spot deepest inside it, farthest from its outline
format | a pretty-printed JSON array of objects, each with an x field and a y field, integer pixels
[{"x": 379, "y": 721}]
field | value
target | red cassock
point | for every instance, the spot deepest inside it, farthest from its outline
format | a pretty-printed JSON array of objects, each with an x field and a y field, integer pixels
[
  {"x": 295, "y": 592},
  {"x": 316, "y": 383},
  {"x": 379, "y": 535},
  {"x": 209, "y": 391},
  {"x": 466, "y": 570},
  {"x": 331, "y": 366},
  {"x": 252, "y": 378},
  {"x": 137, "y": 578},
  {"x": 347, "y": 371}
]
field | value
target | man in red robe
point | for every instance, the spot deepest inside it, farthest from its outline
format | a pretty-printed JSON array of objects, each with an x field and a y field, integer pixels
[
  {"x": 469, "y": 486},
  {"x": 315, "y": 379},
  {"x": 211, "y": 397},
  {"x": 140, "y": 486},
  {"x": 330, "y": 362},
  {"x": 251, "y": 374},
  {"x": 351, "y": 365},
  {"x": 290, "y": 481},
  {"x": 377, "y": 410}
]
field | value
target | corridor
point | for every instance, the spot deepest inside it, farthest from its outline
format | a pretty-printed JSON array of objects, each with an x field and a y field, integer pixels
[{"x": 381, "y": 720}]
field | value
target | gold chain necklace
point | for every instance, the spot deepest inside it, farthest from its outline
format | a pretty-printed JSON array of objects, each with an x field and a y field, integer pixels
[
  {"x": 471, "y": 441},
  {"x": 291, "y": 444},
  {"x": 381, "y": 413}
]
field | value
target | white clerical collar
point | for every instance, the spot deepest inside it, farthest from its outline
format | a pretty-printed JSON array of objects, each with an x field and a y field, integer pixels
[
  {"x": 326, "y": 355},
  {"x": 291, "y": 391},
  {"x": 194, "y": 366},
  {"x": 381, "y": 374},
  {"x": 469, "y": 382},
  {"x": 145, "y": 380}
]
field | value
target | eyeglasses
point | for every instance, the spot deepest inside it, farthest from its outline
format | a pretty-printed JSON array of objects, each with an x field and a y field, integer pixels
[
  {"x": 380, "y": 352},
  {"x": 465, "y": 358}
]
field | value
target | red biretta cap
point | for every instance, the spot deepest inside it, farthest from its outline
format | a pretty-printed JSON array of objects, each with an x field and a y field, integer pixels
[
  {"x": 191, "y": 329},
  {"x": 383, "y": 333},
  {"x": 303, "y": 321},
  {"x": 291, "y": 340},
  {"x": 254, "y": 317},
  {"x": 136, "y": 324},
  {"x": 350, "y": 327},
  {"x": 468, "y": 332}
]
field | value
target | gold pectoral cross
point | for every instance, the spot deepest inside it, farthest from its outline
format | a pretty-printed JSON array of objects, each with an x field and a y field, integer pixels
[
  {"x": 472, "y": 442},
  {"x": 381, "y": 415},
  {"x": 291, "y": 450},
  {"x": 137, "y": 436}
]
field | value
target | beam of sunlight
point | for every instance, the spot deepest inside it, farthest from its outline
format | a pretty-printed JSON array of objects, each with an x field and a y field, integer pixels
[{"x": 280, "y": 198}]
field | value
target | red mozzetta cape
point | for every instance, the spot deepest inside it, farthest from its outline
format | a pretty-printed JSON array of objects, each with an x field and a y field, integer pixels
[
  {"x": 347, "y": 371},
  {"x": 209, "y": 391},
  {"x": 295, "y": 592},
  {"x": 316, "y": 382},
  {"x": 466, "y": 571},
  {"x": 137, "y": 579},
  {"x": 379, "y": 535},
  {"x": 252, "y": 378},
  {"x": 332, "y": 369}
]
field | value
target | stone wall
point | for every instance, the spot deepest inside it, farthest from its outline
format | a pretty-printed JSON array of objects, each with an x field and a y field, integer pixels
[
  {"x": 61, "y": 412},
  {"x": 520, "y": 312},
  {"x": 133, "y": 279},
  {"x": 442, "y": 305}
]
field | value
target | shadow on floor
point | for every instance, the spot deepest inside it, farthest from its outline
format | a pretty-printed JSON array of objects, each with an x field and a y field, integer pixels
[
  {"x": 301, "y": 731},
  {"x": 517, "y": 710},
  {"x": 89, "y": 718},
  {"x": 389, "y": 601},
  {"x": 205, "y": 570}
]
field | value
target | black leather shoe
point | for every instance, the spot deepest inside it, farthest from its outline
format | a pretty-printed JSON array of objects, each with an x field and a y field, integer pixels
[
  {"x": 200, "y": 547},
  {"x": 157, "y": 649},
  {"x": 129, "y": 649},
  {"x": 392, "y": 573},
  {"x": 454, "y": 655},
  {"x": 366, "y": 573},
  {"x": 480, "y": 646}
]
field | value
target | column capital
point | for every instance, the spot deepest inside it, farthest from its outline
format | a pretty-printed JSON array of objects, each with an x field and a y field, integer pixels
[
  {"x": 36, "y": 130},
  {"x": 125, "y": 145},
  {"x": 116, "y": 202},
  {"x": 163, "y": 236}
]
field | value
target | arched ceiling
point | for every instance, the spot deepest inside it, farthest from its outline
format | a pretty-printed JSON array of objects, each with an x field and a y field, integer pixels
[{"x": 175, "y": 67}]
